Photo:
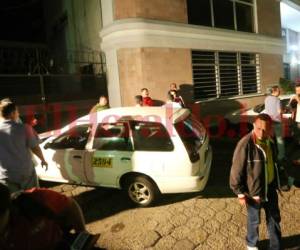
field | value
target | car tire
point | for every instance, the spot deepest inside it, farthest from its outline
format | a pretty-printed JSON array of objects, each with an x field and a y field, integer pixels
[{"x": 141, "y": 191}]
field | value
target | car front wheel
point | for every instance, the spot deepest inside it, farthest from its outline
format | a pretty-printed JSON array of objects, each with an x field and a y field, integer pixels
[{"x": 141, "y": 191}]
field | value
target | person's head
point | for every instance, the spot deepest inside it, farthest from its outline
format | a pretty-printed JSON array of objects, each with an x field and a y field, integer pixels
[
  {"x": 138, "y": 100},
  {"x": 144, "y": 92},
  {"x": 173, "y": 86},
  {"x": 4, "y": 206},
  {"x": 173, "y": 93},
  {"x": 103, "y": 100},
  {"x": 9, "y": 111},
  {"x": 262, "y": 126},
  {"x": 275, "y": 90}
]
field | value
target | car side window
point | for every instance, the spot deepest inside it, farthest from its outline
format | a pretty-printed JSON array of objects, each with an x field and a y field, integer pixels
[
  {"x": 75, "y": 138},
  {"x": 112, "y": 136},
  {"x": 151, "y": 136}
]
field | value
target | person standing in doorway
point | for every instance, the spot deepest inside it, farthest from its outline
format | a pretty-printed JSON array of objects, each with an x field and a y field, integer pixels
[
  {"x": 274, "y": 110},
  {"x": 17, "y": 142},
  {"x": 254, "y": 178}
]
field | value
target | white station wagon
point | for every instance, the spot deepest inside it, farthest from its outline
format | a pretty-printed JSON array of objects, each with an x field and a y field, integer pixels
[{"x": 144, "y": 150}]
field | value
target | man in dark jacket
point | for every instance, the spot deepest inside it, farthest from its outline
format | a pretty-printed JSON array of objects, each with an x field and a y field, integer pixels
[{"x": 254, "y": 179}]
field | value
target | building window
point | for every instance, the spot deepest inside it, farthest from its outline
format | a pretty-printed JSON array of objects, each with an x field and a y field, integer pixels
[
  {"x": 201, "y": 17},
  {"x": 227, "y": 14},
  {"x": 224, "y": 74},
  {"x": 223, "y": 14}
]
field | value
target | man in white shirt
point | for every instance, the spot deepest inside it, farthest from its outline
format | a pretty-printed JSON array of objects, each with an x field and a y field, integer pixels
[{"x": 273, "y": 109}]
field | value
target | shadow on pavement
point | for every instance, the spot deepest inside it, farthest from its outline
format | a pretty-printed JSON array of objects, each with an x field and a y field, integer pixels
[{"x": 288, "y": 243}]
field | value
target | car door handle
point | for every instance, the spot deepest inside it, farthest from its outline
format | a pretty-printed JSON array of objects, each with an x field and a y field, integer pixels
[
  {"x": 125, "y": 159},
  {"x": 77, "y": 157}
]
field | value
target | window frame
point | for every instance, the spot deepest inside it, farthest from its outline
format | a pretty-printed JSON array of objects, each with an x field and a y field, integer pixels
[
  {"x": 127, "y": 130},
  {"x": 165, "y": 131},
  {"x": 253, "y": 6},
  {"x": 54, "y": 145}
]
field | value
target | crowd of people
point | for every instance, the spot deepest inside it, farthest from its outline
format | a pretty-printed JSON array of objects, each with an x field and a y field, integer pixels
[{"x": 173, "y": 98}]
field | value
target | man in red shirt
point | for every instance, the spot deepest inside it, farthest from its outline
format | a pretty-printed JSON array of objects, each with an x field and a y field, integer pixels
[{"x": 147, "y": 101}]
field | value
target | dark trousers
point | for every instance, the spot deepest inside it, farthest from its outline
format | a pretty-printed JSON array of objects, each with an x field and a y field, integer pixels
[{"x": 272, "y": 217}]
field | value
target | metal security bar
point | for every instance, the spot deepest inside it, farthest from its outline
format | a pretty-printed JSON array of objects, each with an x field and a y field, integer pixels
[
  {"x": 204, "y": 74},
  {"x": 224, "y": 74}
]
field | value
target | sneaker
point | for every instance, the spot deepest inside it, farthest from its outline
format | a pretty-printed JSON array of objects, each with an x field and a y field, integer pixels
[{"x": 252, "y": 248}]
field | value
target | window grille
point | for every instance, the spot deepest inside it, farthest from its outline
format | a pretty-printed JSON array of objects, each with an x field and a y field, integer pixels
[{"x": 224, "y": 74}]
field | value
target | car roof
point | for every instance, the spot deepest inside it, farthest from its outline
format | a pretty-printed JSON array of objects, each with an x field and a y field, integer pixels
[{"x": 161, "y": 114}]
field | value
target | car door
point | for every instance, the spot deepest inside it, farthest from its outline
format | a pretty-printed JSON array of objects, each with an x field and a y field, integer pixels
[
  {"x": 110, "y": 155},
  {"x": 154, "y": 149},
  {"x": 65, "y": 156}
]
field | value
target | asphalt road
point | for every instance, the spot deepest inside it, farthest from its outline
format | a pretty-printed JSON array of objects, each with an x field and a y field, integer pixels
[{"x": 212, "y": 219}]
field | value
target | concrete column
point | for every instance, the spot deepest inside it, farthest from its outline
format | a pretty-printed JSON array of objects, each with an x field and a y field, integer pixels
[
  {"x": 107, "y": 12},
  {"x": 113, "y": 81}
]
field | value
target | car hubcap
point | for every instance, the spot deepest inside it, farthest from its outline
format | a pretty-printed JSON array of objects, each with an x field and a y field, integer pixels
[{"x": 139, "y": 192}]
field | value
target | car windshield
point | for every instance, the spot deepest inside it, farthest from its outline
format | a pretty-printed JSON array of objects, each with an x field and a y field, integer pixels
[{"x": 192, "y": 134}]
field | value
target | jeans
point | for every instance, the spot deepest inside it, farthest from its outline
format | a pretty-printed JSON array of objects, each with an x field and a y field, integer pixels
[{"x": 272, "y": 217}]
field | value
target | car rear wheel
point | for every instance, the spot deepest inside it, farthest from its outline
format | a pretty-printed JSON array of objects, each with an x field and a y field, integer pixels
[{"x": 141, "y": 191}]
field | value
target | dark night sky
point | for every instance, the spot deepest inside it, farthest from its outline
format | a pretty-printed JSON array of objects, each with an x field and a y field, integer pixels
[{"x": 22, "y": 20}]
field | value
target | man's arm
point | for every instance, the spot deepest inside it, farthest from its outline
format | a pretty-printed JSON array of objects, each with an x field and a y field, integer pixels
[
  {"x": 93, "y": 109},
  {"x": 38, "y": 152},
  {"x": 33, "y": 141},
  {"x": 238, "y": 170}
]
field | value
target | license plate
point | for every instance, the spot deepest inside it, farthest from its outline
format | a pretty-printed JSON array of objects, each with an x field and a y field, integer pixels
[{"x": 102, "y": 162}]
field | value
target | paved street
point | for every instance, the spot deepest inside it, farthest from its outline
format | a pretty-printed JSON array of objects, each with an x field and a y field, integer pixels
[{"x": 212, "y": 219}]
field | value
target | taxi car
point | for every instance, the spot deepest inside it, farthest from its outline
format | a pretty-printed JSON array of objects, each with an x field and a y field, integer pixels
[{"x": 146, "y": 151}]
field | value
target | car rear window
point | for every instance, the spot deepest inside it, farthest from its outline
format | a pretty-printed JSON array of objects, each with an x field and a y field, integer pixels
[
  {"x": 151, "y": 136},
  {"x": 192, "y": 134}
]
